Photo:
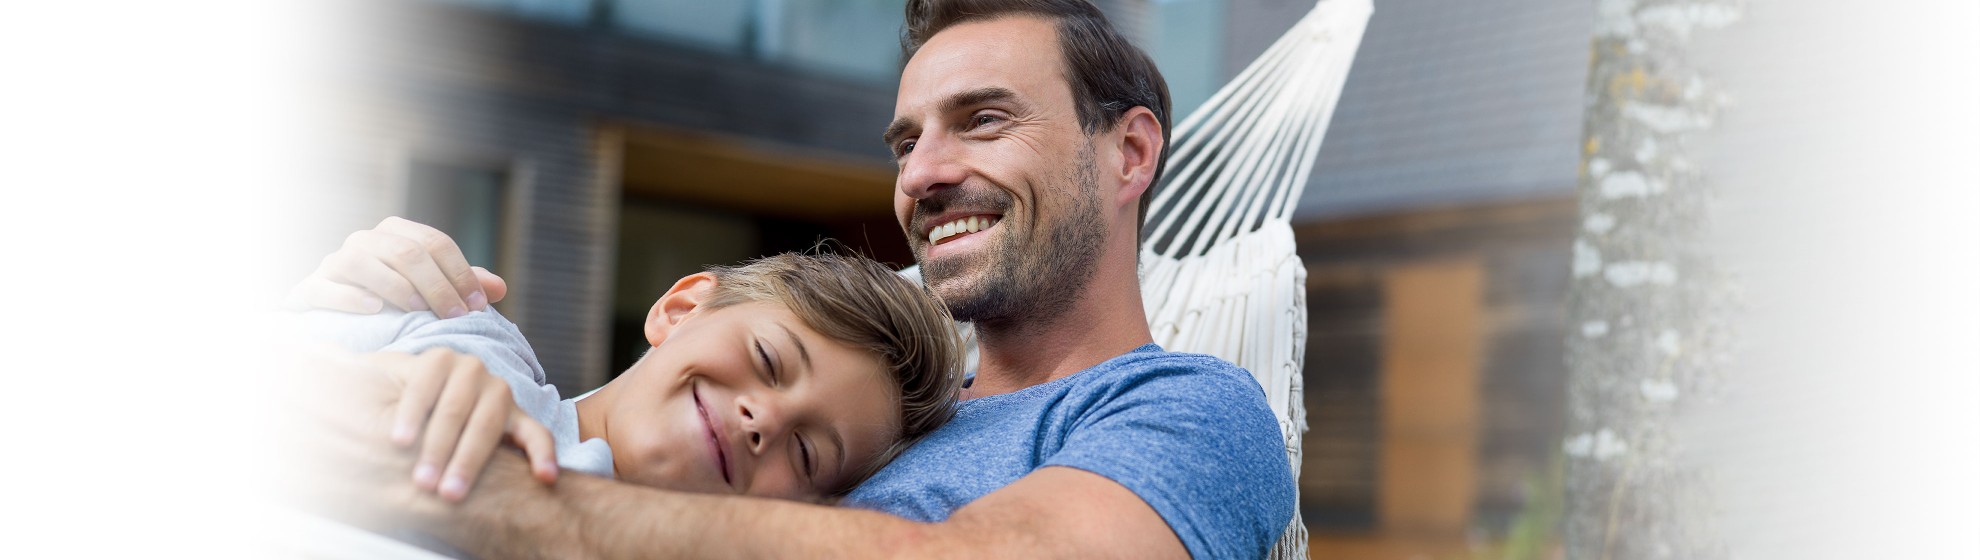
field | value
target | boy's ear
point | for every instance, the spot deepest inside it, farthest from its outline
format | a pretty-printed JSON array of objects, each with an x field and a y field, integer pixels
[{"x": 679, "y": 303}]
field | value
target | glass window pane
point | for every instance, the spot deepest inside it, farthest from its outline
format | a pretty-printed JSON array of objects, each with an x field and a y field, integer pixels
[
  {"x": 465, "y": 202},
  {"x": 564, "y": 11},
  {"x": 1187, "y": 44},
  {"x": 853, "y": 38},
  {"x": 722, "y": 26}
]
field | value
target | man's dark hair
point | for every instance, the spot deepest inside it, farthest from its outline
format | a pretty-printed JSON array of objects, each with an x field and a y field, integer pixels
[{"x": 1108, "y": 74}]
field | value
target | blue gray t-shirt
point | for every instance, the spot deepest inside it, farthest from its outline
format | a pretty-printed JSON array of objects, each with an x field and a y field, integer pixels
[{"x": 1190, "y": 434}]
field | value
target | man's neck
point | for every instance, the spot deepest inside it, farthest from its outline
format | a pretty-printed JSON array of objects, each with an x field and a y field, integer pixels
[{"x": 1106, "y": 320}]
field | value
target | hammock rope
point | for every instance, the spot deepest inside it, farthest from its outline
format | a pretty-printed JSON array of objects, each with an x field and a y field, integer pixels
[{"x": 1219, "y": 269}]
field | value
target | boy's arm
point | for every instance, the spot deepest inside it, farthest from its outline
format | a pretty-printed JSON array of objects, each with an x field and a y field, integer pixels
[
  {"x": 354, "y": 298},
  {"x": 483, "y": 334},
  {"x": 357, "y": 334},
  {"x": 452, "y": 410}
]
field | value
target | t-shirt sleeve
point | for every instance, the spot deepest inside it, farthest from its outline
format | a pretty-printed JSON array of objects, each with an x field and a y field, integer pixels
[
  {"x": 1194, "y": 438},
  {"x": 483, "y": 334}
]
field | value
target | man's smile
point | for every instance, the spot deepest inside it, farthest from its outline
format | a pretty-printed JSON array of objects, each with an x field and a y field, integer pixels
[
  {"x": 955, "y": 228},
  {"x": 952, "y": 215}
]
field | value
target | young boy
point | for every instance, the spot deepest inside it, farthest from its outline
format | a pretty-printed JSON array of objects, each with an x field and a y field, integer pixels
[{"x": 792, "y": 376}]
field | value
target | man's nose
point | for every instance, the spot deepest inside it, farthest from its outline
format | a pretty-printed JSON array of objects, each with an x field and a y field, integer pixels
[
  {"x": 762, "y": 422},
  {"x": 932, "y": 166}
]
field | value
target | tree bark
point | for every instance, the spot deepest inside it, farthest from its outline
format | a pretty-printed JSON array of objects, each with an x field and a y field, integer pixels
[{"x": 1647, "y": 303}]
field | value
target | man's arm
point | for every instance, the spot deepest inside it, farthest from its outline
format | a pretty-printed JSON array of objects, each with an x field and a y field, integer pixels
[
  {"x": 1056, "y": 512},
  {"x": 1053, "y": 512}
]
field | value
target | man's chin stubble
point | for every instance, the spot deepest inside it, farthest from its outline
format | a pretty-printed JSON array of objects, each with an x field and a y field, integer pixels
[
  {"x": 962, "y": 292},
  {"x": 997, "y": 294}
]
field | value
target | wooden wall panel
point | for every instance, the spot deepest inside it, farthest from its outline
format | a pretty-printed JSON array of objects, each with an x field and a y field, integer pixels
[{"x": 1431, "y": 356}]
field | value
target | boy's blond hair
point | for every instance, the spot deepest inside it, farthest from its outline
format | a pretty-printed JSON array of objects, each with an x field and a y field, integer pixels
[{"x": 858, "y": 301}]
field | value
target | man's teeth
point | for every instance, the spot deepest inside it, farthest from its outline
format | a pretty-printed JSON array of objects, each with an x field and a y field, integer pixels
[{"x": 970, "y": 224}]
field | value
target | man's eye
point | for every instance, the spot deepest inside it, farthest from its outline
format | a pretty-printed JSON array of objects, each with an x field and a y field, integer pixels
[
  {"x": 907, "y": 147},
  {"x": 982, "y": 120}
]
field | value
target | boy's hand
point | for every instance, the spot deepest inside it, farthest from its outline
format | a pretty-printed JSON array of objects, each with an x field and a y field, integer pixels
[
  {"x": 405, "y": 263},
  {"x": 464, "y": 412}
]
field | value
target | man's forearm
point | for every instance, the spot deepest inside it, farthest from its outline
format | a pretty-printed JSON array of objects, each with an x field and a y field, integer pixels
[
  {"x": 510, "y": 515},
  {"x": 1055, "y": 512}
]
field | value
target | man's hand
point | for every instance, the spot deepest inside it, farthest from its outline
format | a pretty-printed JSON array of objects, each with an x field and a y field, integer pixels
[
  {"x": 407, "y": 264},
  {"x": 464, "y": 412}
]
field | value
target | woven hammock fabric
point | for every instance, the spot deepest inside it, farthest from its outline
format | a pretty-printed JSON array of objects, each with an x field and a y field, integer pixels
[{"x": 1218, "y": 267}]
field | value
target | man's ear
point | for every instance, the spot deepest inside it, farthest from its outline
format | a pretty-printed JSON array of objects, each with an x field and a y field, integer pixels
[
  {"x": 679, "y": 303},
  {"x": 1140, "y": 147}
]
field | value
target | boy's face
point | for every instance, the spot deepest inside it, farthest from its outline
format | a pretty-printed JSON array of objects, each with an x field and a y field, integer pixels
[{"x": 745, "y": 399}]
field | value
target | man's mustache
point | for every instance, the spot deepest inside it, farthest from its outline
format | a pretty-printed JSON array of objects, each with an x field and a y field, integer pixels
[{"x": 990, "y": 201}]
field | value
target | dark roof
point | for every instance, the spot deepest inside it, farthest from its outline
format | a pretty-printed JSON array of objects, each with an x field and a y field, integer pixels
[{"x": 1447, "y": 103}]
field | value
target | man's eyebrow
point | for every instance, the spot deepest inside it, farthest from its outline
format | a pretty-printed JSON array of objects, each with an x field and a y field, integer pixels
[
  {"x": 799, "y": 343},
  {"x": 977, "y": 96},
  {"x": 961, "y": 100},
  {"x": 894, "y": 131}
]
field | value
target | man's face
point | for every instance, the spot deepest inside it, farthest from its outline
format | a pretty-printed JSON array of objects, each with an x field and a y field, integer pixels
[
  {"x": 998, "y": 191},
  {"x": 749, "y": 400}
]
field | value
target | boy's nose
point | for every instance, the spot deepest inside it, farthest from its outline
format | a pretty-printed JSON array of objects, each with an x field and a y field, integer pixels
[{"x": 761, "y": 422}]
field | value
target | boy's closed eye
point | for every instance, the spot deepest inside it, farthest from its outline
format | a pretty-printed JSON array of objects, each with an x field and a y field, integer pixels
[{"x": 768, "y": 365}]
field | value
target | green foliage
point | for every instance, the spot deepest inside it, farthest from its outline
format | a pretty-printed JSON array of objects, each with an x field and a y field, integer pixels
[{"x": 1535, "y": 532}]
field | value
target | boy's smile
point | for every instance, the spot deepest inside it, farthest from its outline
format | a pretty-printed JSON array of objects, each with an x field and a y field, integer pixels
[
  {"x": 745, "y": 399},
  {"x": 717, "y": 444}
]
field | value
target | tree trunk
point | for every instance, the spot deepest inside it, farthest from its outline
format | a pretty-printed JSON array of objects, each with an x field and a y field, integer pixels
[{"x": 1645, "y": 338}]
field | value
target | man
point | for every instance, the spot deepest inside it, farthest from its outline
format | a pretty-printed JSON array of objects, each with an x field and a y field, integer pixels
[{"x": 1024, "y": 172}]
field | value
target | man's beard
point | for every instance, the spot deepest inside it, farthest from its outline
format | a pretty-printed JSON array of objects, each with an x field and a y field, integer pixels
[{"x": 1019, "y": 279}]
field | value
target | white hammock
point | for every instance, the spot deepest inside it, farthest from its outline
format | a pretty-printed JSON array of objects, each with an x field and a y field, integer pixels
[{"x": 1218, "y": 269}]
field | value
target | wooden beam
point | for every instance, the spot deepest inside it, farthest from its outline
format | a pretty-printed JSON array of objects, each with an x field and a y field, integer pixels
[{"x": 754, "y": 177}]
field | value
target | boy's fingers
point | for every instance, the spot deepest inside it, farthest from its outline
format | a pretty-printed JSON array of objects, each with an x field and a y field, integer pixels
[
  {"x": 417, "y": 401},
  {"x": 415, "y": 265},
  {"x": 484, "y": 430},
  {"x": 365, "y": 261},
  {"x": 436, "y": 248},
  {"x": 443, "y": 430},
  {"x": 537, "y": 444},
  {"x": 493, "y": 287}
]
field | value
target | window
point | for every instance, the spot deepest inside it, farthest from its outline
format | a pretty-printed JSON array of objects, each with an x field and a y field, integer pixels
[
  {"x": 852, "y": 38},
  {"x": 561, "y": 11},
  {"x": 1186, "y": 41},
  {"x": 465, "y": 201},
  {"x": 720, "y": 26},
  {"x": 857, "y": 39}
]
